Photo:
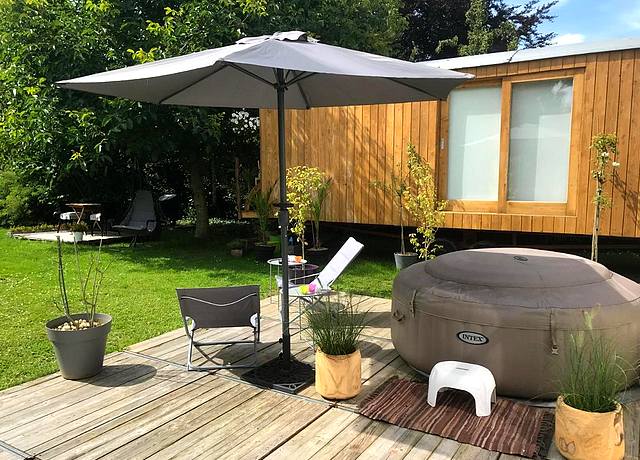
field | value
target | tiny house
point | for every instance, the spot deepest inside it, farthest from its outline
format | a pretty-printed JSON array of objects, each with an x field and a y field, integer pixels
[{"x": 510, "y": 149}]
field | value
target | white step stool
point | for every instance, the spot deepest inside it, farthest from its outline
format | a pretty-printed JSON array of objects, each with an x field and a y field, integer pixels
[{"x": 471, "y": 378}]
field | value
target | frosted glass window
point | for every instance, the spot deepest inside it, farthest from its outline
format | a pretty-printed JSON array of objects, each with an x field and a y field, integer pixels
[
  {"x": 474, "y": 144},
  {"x": 539, "y": 140}
]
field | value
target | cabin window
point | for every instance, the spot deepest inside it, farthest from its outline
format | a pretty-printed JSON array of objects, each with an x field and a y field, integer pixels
[
  {"x": 509, "y": 144},
  {"x": 474, "y": 143},
  {"x": 539, "y": 140}
]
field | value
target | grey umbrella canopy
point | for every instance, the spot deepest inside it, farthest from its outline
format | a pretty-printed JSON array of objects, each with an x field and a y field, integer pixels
[{"x": 286, "y": 70}]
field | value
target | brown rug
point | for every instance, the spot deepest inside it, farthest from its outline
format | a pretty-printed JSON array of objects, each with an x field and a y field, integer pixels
[{"x": 512, "y": 428}]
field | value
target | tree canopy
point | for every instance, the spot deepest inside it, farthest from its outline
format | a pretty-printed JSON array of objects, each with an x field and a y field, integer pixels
[
  {"x": 440, "y": 29},
  {"x": 57, "y": 145}
]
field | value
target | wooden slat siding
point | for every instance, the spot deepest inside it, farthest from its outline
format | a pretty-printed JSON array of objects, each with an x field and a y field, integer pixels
[
  {"x": 611, "y": 123},
  {"x": 607, "y": 95},
  {"x": 381, "y": 155},
  {"x": 618, "y": 199},
  {"x": 584, "y": 173},
  {"x": 633, "y": 166},
  {"x": 389, "y": 160},
  {"x": 598, "y": 126}
]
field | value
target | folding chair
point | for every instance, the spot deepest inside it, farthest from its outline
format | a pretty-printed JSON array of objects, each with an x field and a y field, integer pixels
[
  {"x": 212, "y": 308},
  {"x": 329, "y": 274}
]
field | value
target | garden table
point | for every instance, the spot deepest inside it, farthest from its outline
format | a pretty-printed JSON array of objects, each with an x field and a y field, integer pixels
[
  {"x": 80, "y": 208},
  {"x": 277, "y": 262}
]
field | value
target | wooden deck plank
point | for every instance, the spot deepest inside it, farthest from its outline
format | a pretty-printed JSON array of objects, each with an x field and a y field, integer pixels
[
  {"x": 109, "y": 436},
  {"x": 178, "y": 428},
  {"x": 307, "y": 443},
  {"x": 394, "y": 443},
  {"x": 264, "y": 406},
  {"x": 101, "y": 407},
  {"x": 51, "y": 402},
  {"x": 261, "y": 439},
  {"x": 469, "y": 452},
  {"x": 425, "y": 446},
  {"x": 445, "y": 450},
  {"x": 352, "y": 440}
]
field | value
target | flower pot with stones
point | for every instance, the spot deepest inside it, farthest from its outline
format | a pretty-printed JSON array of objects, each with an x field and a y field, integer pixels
[
  {"x": 79, "y": 345},
  {"x": 582, "y": 435}
]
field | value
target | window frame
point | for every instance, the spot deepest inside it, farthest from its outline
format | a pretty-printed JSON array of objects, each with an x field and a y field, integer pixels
[{"x": 502, "y": 205}]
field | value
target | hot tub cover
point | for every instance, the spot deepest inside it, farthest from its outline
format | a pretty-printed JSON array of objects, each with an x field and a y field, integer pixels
[{"x": 511, "y": 310}]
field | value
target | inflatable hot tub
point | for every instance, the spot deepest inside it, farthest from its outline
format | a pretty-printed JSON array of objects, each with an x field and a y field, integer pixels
[{"x": 510, "y": 310}]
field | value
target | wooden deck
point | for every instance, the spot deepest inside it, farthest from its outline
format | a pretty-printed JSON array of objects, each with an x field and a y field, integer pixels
[{"x": 145, "y": 405}]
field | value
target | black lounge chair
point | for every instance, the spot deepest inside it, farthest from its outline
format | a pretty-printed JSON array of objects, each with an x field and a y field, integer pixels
[
  {"x": 210, "y": 308},
  {"x": 141, "y": 218}
]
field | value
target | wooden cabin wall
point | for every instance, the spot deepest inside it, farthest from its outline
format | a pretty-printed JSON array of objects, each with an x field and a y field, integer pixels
[{"x": 360, "y": 144}]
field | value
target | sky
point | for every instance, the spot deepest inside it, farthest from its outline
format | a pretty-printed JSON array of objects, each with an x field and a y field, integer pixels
[{"x": 593, "y": 20}]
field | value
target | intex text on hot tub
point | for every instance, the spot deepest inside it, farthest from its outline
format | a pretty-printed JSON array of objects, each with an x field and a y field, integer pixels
[{"x": 510, "y": 310}]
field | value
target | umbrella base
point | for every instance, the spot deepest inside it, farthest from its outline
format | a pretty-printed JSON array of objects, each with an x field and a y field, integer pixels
[{"x": 279, "y": 374}]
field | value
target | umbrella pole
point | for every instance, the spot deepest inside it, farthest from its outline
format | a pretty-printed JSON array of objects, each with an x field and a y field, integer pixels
[{"x": 283, "y": 217}]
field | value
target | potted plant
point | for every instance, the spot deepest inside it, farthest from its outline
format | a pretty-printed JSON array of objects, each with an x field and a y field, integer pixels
[
  {"x": 261, "y": 201},
  {"x": 605, "y": 166},
  {"x": 396, "y": 189},
  {"x": 80, "y": 339},
  {"x": 318, "y": 199},
  {"x": 235, "y": 247},
  {"x": 420, "y": 199},
  {"x": 307, "y": 190},
  {"x": 589, "y": 421},
  {"x": 335, "y": 329},
  {"x": 78, "y": 229}
]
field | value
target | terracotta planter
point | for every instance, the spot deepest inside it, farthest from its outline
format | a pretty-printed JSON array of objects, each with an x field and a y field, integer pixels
[
  {"x": 338, "y": 377},
  {"x": 584, "y": 435}
]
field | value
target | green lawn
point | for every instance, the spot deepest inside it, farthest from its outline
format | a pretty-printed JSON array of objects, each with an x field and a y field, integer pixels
[{"x": 138, "y": 291}]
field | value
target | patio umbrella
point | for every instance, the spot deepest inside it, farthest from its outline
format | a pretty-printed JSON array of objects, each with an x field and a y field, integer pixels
[{"x": 286, "y": 70}]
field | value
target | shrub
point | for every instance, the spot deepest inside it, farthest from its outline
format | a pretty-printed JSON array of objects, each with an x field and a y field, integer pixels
[{"x": 15, "y": 199}]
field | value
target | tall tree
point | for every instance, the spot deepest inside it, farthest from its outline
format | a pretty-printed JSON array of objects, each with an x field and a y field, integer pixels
[{"x": 479, "y": 25}]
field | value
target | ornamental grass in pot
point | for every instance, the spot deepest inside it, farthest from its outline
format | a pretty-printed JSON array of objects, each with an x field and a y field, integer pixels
[
  {"x": 589, "y": 418},
  {"x": 335, "y": 328},
  {"x": 80, "y": 339}
]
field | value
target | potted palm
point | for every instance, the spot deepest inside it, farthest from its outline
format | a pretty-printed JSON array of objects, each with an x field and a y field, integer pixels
[
  {"x": 589, "y": 421},
  {"x": 335, "y": 329},
  {"x": 78, "y": 229},
  {"x": 397, "y": 189},
  {"x": 420, "y": 198},
  {"x": 79, "y": 339},
  {"x": 262, "y": 204},
  {"x": 317, "y": 205}
]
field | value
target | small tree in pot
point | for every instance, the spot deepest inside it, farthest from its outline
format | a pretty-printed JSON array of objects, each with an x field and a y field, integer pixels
[
  {"x": 589, "y": 421},
  {"x": 262, "y": 203},
  {"x": 397, "y": 189},
  {"x": 335, "y": 328},
  {"x": 305, "y": 185},
  {"x": 80, "y": 339},
  {"x": 421, "y": 201}
]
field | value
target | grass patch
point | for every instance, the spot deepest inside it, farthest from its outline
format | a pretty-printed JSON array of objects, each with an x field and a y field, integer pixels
[{"x": 138, "y": 290}]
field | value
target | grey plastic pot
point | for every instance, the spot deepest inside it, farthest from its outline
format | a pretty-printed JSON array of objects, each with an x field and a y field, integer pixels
[
  {"x": 405, "y": 260},
  {"x": 80, "y": 354}
]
